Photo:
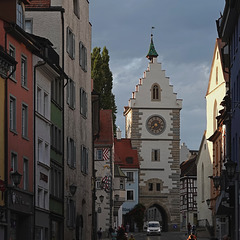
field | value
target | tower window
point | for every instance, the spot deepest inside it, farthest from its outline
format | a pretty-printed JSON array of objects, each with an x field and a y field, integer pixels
[{"x": 156, "y": 92}]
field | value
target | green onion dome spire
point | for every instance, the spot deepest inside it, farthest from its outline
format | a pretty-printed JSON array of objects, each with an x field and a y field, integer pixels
[{"x": 152, "y": 53}]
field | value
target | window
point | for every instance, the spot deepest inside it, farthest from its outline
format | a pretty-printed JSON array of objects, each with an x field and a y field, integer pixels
[
  {"x": 84, "y": 159},
  {"x": 28, "y": 25},
  {"x": 25, "y": 174},
  {"x": 98, "y": 184},
  {"x": 45, "y": 197},
  {"x": 130, "y": 195},
  {"x": 39, "y": 203},
  {"x": 129, "y": 176},
  {"x": 24, "y": 120},
  {"x": 99, "y": 154},
  {"x": 70, "y": 43},
  {"x": 45, "y": 105},
  {"x": 156, "y": 92},
  {"x": 40, "y": 150},
  {"x": 150, "y": 186},
  {"x": 39, "y": 99},
  {"x": 56, "y": 181},
  {"x": 71, "y": 210},
  {"x": 24, "y": 71},
  {"x": 56, "y": 139},
  {"x": 14, "y": 162},
  {"x": 71, "y": 93},
  {"x": 20, "y": 16},
  {"x": 56, "y": 89},
  {"x": 12, "y": 53},
  {"x": 155, "y": 155},
  {"x": 76, "y": 7},
  {"x": 158, "y": 187},
  {"x": 71, "y": 153},
  {"x": 83, "y": 102},
  {"x": 83, "y": 56},
  {"x": 12, "y": 112}
]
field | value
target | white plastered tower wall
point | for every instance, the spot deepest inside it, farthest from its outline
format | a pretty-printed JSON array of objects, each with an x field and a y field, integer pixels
[
  {"x": 214, "y": 96},
  {"x": 165, "y": 172}
]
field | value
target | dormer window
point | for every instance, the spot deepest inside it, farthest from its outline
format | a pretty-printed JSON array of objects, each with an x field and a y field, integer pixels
[{"x": 20, "y": 15}]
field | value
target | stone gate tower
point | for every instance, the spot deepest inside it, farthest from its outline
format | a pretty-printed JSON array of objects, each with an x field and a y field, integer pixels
[{"x": 152, "y": 122}]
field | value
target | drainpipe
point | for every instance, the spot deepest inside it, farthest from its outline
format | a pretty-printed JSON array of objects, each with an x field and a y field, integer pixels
[{"x": 39, "y": 64}]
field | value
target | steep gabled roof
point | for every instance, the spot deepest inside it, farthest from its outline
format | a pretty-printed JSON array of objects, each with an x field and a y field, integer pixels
[
  {"x": 125, "y": 155},
  {"x": 106, "y": 129},
  {"x": 189, "y": 167}
]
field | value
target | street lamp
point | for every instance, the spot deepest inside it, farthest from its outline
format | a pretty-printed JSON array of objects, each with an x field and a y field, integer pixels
[
  {"x": 72, "y": 189},
  {"x": 216, "y": 181},
  {"x": 231, "y": 168},
  {"x": 16, "y": 178},
  {"x": 101, "y": 198}
]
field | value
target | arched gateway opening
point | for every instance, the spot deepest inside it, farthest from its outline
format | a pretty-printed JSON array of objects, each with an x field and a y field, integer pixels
[{"x": 157, "y": 213}]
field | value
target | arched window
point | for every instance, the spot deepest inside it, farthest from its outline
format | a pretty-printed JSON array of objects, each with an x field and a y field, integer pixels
[
  {"x": 156, "y": 92},
  {"x": 20, "y": 16}
]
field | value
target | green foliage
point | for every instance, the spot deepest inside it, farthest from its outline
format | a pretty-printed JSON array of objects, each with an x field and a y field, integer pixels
[
  {"x": 138, "y": 215},
  {"x": 103, "y": 80}
]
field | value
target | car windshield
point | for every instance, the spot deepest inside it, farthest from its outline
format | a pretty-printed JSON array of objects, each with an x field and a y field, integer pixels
[{"x": 153, "y": 225}]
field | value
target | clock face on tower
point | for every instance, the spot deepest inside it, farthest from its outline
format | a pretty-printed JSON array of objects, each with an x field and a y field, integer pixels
[{"x": 155, "y": 124}]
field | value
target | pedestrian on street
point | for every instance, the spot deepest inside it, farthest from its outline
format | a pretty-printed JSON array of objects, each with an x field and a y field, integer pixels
[
  {"x": 189, "y": 227},
  {"x": 99, "y": 233},
  {"x": 131, "y": 237}
]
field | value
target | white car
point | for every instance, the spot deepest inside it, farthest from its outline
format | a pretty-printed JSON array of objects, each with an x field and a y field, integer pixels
[{"x": 153, "y": 228}]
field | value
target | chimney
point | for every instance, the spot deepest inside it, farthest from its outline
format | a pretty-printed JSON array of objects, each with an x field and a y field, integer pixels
[{"x": 119, "y": 133}]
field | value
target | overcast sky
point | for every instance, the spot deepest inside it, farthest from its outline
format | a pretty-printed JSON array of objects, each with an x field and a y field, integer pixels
[{"x": 184, "y": 37}]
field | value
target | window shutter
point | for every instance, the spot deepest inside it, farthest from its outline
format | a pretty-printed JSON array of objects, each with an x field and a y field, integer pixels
[
  {"x": 67, "y": 47},
  {"x": 158, "y": 155},
  {"x": 86, "y": 105},
  {"x": 73, "y": 47},
  {"x": 85, "y": 58},
  {"x": 74, "y": 96},
  {"x": 74, "y": 155},
  {"x": 87, "y": 161},
  {"x": 80, "y": 54},
  {"x": 68, "y": 151},
  {"x": 82, "y": 155},
  {"x": 153, "y": 155},
  {"x": 81, "y": 100},
  {"x": 68, "y": 91}
]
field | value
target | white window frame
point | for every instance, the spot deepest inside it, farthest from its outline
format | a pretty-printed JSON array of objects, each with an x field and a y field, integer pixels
[
  {"x": 129, "y": 177},
  {"x": 24, "y": 71},
  {"x": 70, "y": 43},
  {"x": 76, "y": 9},
  {"x": 83, "y": 102},
  {"x": 14, "y": 161},
  {"x": 99, "y": 154},
  {"x": 12, "y": 113},
  {"x": 84, "y": 159},
  {"x": 12, "y": 53},
  {"x": 71, "y": 213},
  {"x": 71, "y": 153},
  {"x": 20, "y": 14},
  {"x": 127, "y": 195},
  {"x": 24, "y": 120},
  {"x": 29, "y": 25},
  {"x": 155, "y": 155},
  {"x": 83, "y": 56},
  {"x": 25, "y": 173},
  {"x": 71, "y": 100}
]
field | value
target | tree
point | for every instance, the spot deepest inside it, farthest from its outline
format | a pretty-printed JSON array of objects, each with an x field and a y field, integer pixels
[{"x": 103, "y": 80}]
